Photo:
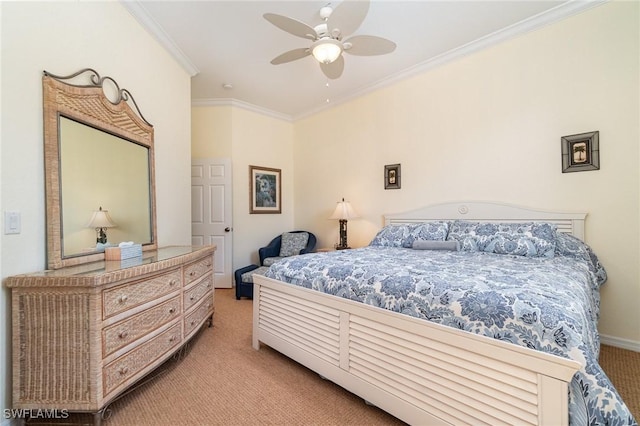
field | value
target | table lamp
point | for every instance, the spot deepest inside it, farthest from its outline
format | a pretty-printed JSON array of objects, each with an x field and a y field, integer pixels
[
  {"x": 343, "y": 212},
  {"x": 100, "y": 221}
]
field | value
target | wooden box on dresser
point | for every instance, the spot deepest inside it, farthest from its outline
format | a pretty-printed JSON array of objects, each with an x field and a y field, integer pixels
[{"x": 83, "y": 334}]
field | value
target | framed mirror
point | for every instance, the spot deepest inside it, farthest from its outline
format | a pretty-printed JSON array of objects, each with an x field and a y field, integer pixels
[{"x": 99, "y": 169}]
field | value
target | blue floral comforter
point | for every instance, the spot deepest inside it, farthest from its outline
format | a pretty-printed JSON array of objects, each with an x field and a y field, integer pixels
[{"x": 548, "y": 304}]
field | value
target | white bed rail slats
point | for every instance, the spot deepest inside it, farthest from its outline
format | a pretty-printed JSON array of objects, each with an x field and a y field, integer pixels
[
  {"x": 300, "y": 324},
  {"x": 443, "y": 379},
  {"x": 420, "y": 372}
]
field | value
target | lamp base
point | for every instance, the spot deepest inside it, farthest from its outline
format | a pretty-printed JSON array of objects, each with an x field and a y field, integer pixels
[
  {"x": 102, "y": 236},
  {"x": 343, "y": 235}
]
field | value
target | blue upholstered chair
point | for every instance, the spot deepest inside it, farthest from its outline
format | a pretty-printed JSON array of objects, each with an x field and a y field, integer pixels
[{"x": 285, "y": 245}]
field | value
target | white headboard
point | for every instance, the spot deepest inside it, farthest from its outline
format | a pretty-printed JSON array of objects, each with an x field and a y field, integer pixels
[{"x": 572, "y": 223}]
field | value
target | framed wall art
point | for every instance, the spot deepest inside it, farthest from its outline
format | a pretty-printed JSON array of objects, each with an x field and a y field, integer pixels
[
  {"x": 392, "y": 176},
  {"x": 581, "y": 152},
  {"x": 265, "y": 193}
]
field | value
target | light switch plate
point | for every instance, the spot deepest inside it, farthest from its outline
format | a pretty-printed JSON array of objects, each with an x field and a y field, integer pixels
[{"x": 12, "y": 222}]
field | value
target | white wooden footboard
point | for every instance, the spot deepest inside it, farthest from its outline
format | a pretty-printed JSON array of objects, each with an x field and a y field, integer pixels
[{"x": 420, "y": 372}]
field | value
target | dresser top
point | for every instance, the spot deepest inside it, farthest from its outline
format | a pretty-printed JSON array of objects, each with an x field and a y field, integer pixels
[{"x": 108, "y": 271}]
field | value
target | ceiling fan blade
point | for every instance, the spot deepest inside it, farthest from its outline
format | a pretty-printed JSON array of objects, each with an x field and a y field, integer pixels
[
  {"x": 291, "y": 55},
  {"x": 334, "y": 69},
  {"x": 348, "y": 16},
  {"x": 366, "y": 45},
  {"x": 292, "y": 26}
]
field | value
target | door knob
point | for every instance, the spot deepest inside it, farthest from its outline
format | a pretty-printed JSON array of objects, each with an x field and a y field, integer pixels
[{"x": 227, "y": 229}]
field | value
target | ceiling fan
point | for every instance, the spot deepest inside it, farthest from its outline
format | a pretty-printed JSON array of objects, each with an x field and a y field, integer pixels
[{"x": 327, "y": 38}]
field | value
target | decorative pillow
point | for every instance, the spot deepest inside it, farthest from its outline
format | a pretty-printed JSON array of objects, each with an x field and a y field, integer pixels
[
  {"x": 436, "y": 245},
  {"x": 429, "y": 231},
  {"x": 468, "y": 234},
  {"x": 520, "y": 239},
  {"x": 404, "y": 235},
  {"x": 391, "y": 236},
  {"x": 292, "y": 243},
  {"x": 570, "y": 246}
]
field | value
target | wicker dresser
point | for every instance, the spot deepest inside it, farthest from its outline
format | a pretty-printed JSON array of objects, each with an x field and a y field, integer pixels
[{"x": 84, "y": 334}]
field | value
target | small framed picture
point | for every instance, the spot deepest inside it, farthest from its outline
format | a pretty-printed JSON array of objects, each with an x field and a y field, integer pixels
[
  {"x": 581, "y": 152},
  {"x": 264, "y": 190},
  {"x": 392, "y": 176}
]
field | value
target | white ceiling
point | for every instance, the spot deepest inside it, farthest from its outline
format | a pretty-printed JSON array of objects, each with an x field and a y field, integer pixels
[{"x": 229, "y": 42}]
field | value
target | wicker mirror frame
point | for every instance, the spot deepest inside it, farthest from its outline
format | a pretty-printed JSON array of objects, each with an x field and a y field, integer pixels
[{"x": 82, "y": 97}]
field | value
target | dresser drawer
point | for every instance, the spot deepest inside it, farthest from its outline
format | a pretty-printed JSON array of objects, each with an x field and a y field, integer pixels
[
  {"x": 124, "y": 332},
  {"x": 195, "y": 270},
  {"x": 123, "y": 370},
  {"x": 194, "y": 320},
  {"x": 195, "y": 293},
  {"x": 121, "y": 298}
]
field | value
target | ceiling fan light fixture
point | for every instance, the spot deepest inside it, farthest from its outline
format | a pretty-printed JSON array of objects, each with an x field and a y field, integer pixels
[{"x": 326, "y": 50}]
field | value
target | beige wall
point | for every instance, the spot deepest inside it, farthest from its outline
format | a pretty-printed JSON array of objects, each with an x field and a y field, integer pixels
[
  {"x": 212, "y": 132},
  {"x": 488, "y": 127},
  {"x": 248, "y": 138},
  {"x": 63, "y": 37}
]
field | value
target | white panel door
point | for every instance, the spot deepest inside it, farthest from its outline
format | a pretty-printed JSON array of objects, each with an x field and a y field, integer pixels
[{"x": 211, "y": 213}]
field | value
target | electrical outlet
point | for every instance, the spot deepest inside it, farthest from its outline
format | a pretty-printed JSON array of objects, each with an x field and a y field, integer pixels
[{"x": 12, "y": 222}]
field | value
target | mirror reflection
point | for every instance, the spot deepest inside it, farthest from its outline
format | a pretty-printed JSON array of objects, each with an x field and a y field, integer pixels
[{"x": 101, "y": 172}]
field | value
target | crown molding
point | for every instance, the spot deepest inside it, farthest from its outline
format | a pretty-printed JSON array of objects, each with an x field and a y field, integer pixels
[
  {"x": 533, "y": 23},
  {"x": 137, "y": 10},
  {"x": 240, "y": 104}
]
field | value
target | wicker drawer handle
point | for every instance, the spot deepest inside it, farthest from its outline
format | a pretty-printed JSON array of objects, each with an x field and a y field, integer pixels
[
  {"x": 172, "y": 310},
  {"x": 193, "y": 322},
  {"x": 192, "y": 297},
  {"x": 123, "y": 334},
  {"x": 208, "y": 265},
  {"x": 173, "y": 282},
  {"x": 192, "y": 273},
  {"x": 172, "y": 339},
  {"x": 123, "y": 371},
  {"x": 123, "y": 298}
]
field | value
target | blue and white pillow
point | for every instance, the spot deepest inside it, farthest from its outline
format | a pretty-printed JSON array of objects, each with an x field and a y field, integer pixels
[
  {"x": 391, "y": 236},
  {"x": 292, "y": 243},
  {"x": 520, "y": 239},
  {"x": 404, "y": 235},
  {"x": 426, "y": 231}
]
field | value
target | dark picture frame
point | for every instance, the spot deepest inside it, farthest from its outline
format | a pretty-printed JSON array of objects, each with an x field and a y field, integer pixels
[
  {"x": 265, "y": 190},
  {"x": 392, "y": 176},
  {"x": 581, "y": 152}
]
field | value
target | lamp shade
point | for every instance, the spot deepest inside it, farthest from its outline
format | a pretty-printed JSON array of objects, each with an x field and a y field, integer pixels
[
  {"x": 344, "y": 211},
  {"x": 101, "y": 219},
  {"x": 326, "y": 50}
]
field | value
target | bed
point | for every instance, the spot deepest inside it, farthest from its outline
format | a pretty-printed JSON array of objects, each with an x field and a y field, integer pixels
[{"x": 496, "y": 330}]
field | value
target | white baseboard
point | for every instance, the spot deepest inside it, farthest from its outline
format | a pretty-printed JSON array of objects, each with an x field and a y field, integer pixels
[{"x": 620, "y": 343}]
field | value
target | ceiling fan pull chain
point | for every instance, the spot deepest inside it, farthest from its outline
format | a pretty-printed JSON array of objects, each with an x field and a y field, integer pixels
[{"x": 327, "y": 86}]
